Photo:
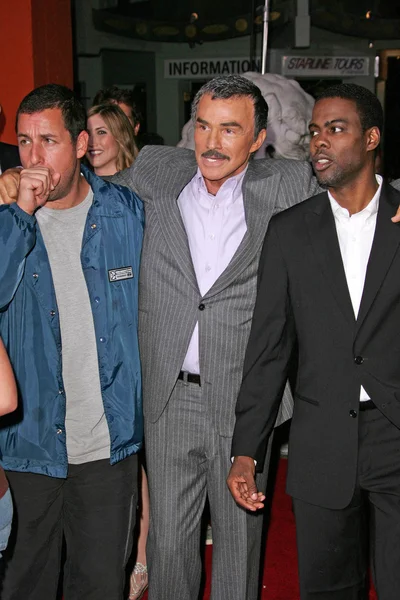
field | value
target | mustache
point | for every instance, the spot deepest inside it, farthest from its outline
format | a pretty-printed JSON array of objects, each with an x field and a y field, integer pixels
[
  {"x": 214, "y": 154},
  {"x": 320, "y": 154}
]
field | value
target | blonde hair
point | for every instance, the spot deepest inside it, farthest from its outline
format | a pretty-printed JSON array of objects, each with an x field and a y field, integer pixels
[{"x": 121, "y": 129}]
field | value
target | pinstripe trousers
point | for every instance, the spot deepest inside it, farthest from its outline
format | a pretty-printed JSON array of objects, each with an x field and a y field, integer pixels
[{"x": 186, "y": 461}]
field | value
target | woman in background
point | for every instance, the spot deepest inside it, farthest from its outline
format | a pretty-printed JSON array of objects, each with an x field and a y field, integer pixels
[
  {"x": 8, "y": 403},
  {"x": 112, "y": 145},
  {"x": 111, "y": 148}
]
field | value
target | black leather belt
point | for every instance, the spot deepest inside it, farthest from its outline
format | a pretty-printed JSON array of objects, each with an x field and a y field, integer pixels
[
  {"x": 366, "y": 405},
  {"x": 189, "y": 377}
]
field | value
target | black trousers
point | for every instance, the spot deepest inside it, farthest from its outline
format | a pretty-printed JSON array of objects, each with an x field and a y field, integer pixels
[
  {"x": 94, "y": 509},
  {"x": 335, "y": 546}
]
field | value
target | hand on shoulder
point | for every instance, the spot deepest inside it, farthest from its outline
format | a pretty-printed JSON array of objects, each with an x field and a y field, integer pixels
[{"x": 9, "y": 184}]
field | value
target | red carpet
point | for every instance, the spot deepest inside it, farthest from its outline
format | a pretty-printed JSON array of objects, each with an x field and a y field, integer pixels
[{"x": 280, "y": 580}]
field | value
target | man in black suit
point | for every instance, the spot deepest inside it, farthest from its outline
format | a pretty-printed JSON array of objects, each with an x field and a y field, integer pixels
[{"x": 329, "y": 286}]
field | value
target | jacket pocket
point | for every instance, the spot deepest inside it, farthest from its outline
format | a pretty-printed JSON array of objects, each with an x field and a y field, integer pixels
[{"x": 305, "y": 399}]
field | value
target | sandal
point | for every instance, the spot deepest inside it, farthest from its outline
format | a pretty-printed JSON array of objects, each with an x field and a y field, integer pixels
[{"x": 139, "y": 582}]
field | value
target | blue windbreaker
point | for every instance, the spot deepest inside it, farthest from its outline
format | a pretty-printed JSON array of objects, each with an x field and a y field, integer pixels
[{"x": 33, "y": 438}]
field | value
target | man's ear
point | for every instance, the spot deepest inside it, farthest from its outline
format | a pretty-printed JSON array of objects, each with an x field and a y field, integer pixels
[
  {"x": 259, "y": 141},
  {"x": 82, "y": 144},
  {"x": 373, "y": 138}
]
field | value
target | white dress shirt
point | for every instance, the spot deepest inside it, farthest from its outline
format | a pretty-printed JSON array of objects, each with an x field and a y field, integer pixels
[
  {"x": 356, "y": 234},
  {"x": 215, "y": 226}
]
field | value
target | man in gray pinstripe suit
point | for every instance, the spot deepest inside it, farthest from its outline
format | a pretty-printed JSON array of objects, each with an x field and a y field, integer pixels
[{"x": 206, "y": 216}]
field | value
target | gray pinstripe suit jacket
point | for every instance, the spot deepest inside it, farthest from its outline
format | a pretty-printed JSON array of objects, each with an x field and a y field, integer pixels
[{"x": 169, "y": 295}]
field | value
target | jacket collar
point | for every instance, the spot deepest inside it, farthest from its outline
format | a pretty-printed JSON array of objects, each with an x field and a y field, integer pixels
[
  {"x": 324, "y": 241},
  {"x": 260, "y": 182},
  {"x": 384, "y": 247},
  {"x": 105, "y": 202}
]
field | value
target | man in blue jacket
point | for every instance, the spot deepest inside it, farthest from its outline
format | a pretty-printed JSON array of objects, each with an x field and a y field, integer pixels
[{"x": 70, "y": 250}]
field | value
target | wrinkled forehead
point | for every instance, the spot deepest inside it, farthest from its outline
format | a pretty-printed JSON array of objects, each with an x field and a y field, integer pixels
[
  {"x": 48, "y": 120},
  {"x": 238, "y": 109}
]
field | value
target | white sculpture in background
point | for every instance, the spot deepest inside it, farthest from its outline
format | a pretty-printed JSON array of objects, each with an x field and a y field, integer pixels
[{"x": 289, "y": 114}]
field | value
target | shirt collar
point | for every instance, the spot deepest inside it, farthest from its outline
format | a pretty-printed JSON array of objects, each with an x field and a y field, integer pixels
[
  {"x": 368, "y": 211},
  {"x": 231, "y": 189}
]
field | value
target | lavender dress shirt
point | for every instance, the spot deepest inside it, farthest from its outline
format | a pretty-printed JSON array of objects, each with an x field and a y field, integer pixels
[{"x": 215, "y": 226}]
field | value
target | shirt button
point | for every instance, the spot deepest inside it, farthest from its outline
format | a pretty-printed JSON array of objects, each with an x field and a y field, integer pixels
[
  {"x": 353, "y": 414},
  {"x": 93, "y": 226},
  {"x": 358, "y": 360},
  {"x": 201, "y": 306},
  {"x": 52, "y": 313},
  {"x": 59, "y": 431},
  {"x": 35, "y": 276},
  {"x": 208, "y": 268},
  {"x": 212, "y": 236},
  {"x": 102, "y": 339}
]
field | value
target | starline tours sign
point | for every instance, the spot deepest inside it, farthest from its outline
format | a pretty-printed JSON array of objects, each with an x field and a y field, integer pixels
[
  {"x": 325, "y": 66},
  {"x": 206, "y": 68}
]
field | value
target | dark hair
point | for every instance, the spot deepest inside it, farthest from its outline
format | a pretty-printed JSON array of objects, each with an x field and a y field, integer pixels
[
  {"x": 368, "y": 106},
  {"x": 151, "y": 139},
  {"x": 118, "y": 95},
  {"x": 229, "y": 86},
  {"x": 54, "y": 95}
]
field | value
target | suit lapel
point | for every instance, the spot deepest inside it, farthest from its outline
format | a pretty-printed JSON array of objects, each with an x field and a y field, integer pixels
[
  {"x": 172, "y": 177},
  {"x": 260, "y": 191},
  {"x": 324, "y": 241},
  {"x": 384, "y": 247}
]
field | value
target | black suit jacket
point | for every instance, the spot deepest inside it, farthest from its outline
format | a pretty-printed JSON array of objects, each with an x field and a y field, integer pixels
[
  {"x": 303, "y": 299},
  {"x": 9, "y": 156}
]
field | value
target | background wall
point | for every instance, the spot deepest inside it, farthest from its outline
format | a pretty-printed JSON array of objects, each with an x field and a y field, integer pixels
[
  {"x": 165, "y": 97},
  {"x": 35, "y": 48}
]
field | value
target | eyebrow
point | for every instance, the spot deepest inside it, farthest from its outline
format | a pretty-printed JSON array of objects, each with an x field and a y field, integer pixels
[
  {"x": 42, "y": 135},
  {"x": 100, "y": 127},
  {"x": 231, "y": 124},
  {"x": 327, "y": 123},
  {"x": 227, "y": 124}
]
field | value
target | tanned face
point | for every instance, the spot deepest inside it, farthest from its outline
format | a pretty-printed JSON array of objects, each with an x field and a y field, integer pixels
[{"x": 224, "y": 138}]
